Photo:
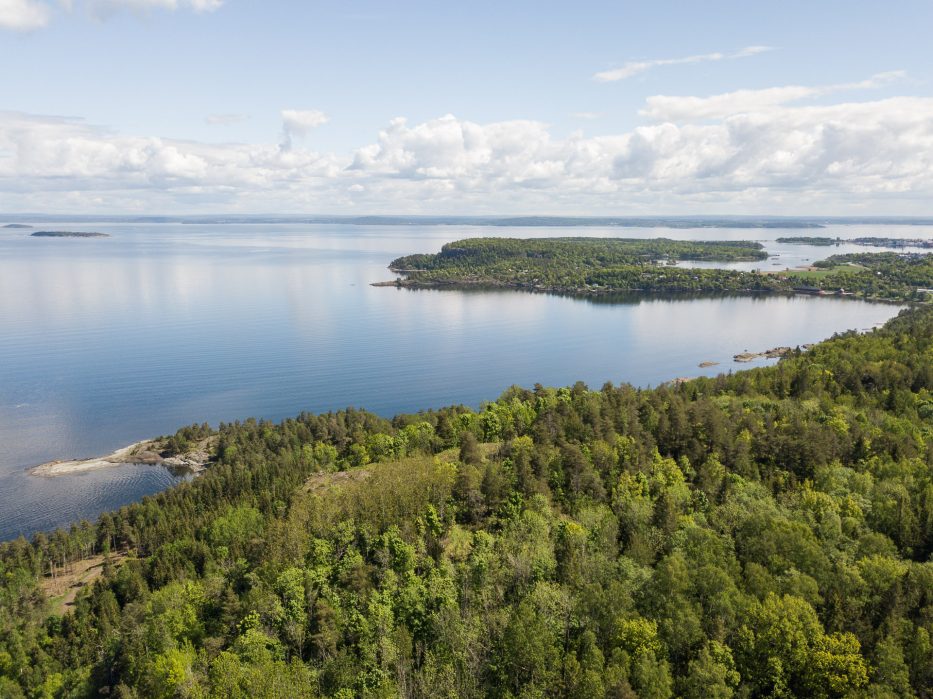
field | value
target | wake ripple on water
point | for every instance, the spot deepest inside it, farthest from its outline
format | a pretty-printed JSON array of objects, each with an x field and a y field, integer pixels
[{"x": 47, "y": 503}]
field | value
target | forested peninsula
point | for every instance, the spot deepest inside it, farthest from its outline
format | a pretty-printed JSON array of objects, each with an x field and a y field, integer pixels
[
  {"x": 766, "y": 533},
  {"x": 69, "y": 234},
  {"x": 613, "y": 265}
]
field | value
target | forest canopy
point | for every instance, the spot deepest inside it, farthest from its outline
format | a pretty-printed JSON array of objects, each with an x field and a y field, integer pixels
[
  {"x": 598, "y": 266},
  {"x": 766, "y": 533}
]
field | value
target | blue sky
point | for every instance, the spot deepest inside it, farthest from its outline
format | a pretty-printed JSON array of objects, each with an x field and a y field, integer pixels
[{"x": 178, "y": 106}]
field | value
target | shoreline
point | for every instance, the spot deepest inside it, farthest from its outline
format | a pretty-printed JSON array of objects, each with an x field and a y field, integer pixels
[
  {"x": 602, "y": 292},
  {"x": 495, "y": 285},
  {"x": 146, "y": 453},
  {"x": 591, "y": 292}
]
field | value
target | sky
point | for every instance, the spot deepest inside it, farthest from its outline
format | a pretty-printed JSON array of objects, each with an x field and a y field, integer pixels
[{"x": 480, "y": 108}]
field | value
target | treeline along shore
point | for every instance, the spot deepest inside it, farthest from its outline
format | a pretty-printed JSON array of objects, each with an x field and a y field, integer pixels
[
  {"x": 870, "y": 241},
  {"x": 759, "y": 534},
  {"x": 69, "y": 234},
  {"x": 599, "y": 266}
]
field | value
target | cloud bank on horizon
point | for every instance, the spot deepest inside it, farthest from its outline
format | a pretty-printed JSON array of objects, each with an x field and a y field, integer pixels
[
  {"x": 792, "y": 148},
  {"x": 758, "y": 150}
]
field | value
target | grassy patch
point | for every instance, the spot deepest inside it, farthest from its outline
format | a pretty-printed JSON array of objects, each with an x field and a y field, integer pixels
[{"x": 822, "y": 273}]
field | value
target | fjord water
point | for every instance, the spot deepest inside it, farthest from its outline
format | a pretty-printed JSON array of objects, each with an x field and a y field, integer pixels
[{"x": 109, "y": 341}]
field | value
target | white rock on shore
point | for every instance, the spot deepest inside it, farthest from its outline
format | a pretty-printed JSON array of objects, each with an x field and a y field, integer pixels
[{"x": 144, "y": 452}]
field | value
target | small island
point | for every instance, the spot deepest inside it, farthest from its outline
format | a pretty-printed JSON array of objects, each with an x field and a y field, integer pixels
[
  {"x": 601, "y": 266},
  {"x": 810, "y": 240},
  {"x": 17, "y": 225},
  {"x": 69, "y": 234}
]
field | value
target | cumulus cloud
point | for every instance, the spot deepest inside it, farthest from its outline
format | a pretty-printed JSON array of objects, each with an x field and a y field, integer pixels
[
  {"x": 633, "y": 68},
  {"x": 451, "y": 149},
  {"x": 50, "y": 155},
  {"x": 23, "y": 15},
  {"x": 874, "y": 147},
  {"x": 781, "y": 156},
  {"x": 299, "y": 122}
]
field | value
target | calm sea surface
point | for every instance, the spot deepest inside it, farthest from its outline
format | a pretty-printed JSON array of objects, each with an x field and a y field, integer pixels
[{"x": 104, "y": 342}]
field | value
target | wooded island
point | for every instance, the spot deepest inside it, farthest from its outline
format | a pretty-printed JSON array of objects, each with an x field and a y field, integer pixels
[
  {"x": 68, "y": 234},
  {"x": 589, "y": 266}
]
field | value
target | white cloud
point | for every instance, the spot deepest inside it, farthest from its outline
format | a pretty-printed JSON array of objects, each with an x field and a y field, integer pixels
[
  {"x": 677, "y": 108},
  {"x": 299, "y": 122},
  {"x": 106, "y": 8},
  {"x": 23, "y": 15},
  {"x": 588, "y": 116},
  {"x": 633, "y": 68},
  {"x": 28, "y": 15},
  {"x": 448, "y": 148},
  {"x": 876, "y": 147},
  {"x": 779, "y": 157},
  {"x": 53, "y": 154}
]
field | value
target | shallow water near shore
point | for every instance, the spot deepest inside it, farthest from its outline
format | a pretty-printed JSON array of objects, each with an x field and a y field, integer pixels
[{"x": 109, "y": 341}]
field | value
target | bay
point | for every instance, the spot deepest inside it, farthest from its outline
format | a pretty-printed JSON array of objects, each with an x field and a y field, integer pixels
[{"x": 108, "y": 341}]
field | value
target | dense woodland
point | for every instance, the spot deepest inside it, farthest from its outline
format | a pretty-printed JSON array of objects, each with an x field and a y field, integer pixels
[
  {"x": 766, "y": 533},
  {"x": 822, "y": 241},
  {"x": 543, "y": 254},
  {"x": 608, "y": 266}
]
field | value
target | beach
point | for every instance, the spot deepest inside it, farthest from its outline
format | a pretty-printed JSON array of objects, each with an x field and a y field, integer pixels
[
  {"x": 147, "y": 452},
  {"x": 136, "y": 453}
]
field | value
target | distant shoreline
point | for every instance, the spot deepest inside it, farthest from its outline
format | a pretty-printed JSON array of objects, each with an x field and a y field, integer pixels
[
  {"x": 68, "y": 234},
  {"x": 505, "y": 220}
]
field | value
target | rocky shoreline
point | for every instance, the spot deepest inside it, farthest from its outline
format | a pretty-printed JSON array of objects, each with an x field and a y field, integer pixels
[
  {"x": 773, "y": 353},
  {"x": 147, "y": 452}
]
